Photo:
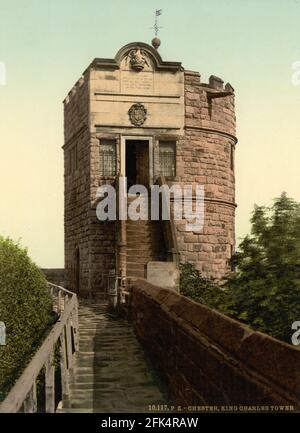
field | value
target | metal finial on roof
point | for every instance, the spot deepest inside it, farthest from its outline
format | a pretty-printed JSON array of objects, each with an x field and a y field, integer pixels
[{"x": 156, "y": 41}]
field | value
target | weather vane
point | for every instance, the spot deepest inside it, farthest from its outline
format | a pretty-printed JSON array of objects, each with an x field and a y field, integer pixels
[{"x": 156, "y": 27}]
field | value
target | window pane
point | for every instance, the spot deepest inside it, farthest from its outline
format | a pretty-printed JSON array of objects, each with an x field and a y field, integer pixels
[
  {"x": 167, "y": 158},
  {"x": 107, "y": 157}
]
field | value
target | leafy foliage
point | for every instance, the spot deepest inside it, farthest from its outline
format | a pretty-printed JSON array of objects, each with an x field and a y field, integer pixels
[
  {"x": 25, "y": 308},
  {"x": 198, "y": 287},
  {"x": 264, "y": 290}
]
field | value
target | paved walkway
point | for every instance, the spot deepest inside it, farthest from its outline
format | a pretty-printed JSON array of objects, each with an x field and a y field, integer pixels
[{"x": 111, "y": 373}]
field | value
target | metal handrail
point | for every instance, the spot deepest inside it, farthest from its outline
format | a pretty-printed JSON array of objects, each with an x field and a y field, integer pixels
[{"x": 169, "y": 230}]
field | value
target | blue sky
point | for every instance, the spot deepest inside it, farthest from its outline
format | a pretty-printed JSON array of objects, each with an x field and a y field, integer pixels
[{"x": 45, "y": 47}]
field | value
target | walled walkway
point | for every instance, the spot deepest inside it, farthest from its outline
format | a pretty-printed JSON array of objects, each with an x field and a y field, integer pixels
[{"x": 110, "y": 372}]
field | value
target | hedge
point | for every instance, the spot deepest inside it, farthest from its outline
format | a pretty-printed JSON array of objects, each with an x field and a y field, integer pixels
[{"x": 25, "y": 308}]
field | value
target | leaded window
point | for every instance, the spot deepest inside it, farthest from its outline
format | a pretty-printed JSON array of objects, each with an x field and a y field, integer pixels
[
  {"x": 167, "y": 158},
  {"x": 107, "y": 157}
]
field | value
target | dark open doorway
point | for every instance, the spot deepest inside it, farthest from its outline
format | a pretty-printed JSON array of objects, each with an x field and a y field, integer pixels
[{"x": 137, "y": 162}]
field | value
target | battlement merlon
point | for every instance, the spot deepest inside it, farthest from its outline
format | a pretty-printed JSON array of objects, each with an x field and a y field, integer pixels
[{"x": 215, "y": 83}]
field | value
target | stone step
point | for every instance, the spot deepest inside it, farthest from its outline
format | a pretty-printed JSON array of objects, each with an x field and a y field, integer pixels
[
  {"x": 100, "y": 385},
  {"x": 131, "y": 272},
  {"x": 140, "y": 222},
  {"x": 74, "y": 410},
  {"x": 142, "y": 248},
  {"x": 136, "y": 259},
  {"x": 101, "y": 361},
  {"x": 141, "y": 375},
  {"x": 97, "y": 346},
  {"x": 81, "y": 397},
  {"x": 138, "y": 239},
  {"x": 133, "y": 405},
  {"x": 110, "y": 372},
  {"x": 142, "y": 239},
  {"x": 141, "y": 227}
]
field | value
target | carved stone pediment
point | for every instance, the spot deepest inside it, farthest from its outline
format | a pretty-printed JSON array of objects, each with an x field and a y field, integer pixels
[{"x": 145, "y": 51}]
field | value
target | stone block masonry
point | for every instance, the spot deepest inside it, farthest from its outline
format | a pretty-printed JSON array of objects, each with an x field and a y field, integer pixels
[
  {"x": 195, "y": 119},
  {"x": 55, "y": 275},
  {"x": 205, "y": 155},
  {"x": 210, "y": 359}
]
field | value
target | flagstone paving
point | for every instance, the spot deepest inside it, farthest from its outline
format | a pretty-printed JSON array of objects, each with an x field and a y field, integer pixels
[{"x": 111, "y": 372}]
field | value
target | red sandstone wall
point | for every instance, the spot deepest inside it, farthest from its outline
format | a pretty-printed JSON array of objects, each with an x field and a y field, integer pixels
[
  {"x": 203, "y": 156},
  {"x": 208, "y": 358},
  {"x": 102, "y": 236}
]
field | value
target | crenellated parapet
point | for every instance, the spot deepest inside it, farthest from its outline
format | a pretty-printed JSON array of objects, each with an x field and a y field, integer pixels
[{"x": 209, "y": 105}]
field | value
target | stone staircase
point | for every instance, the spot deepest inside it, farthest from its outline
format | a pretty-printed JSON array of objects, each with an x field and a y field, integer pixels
[
  {"x": 144, "y": 243},
  {"x": 110, "y": 372}
]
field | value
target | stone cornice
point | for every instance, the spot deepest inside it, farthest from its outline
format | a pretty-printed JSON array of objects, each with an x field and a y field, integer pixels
[
  {"x": 210, "y": 200},
  {"x": 212, "y": 131}
]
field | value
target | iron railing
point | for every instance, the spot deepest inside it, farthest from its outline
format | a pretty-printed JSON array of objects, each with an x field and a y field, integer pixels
[{"x": 23, "y": 395}]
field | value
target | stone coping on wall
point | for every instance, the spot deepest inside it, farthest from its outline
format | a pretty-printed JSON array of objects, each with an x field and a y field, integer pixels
[
  {"x": 54, "y": 275},
  {"x": 273, "y": 363}
]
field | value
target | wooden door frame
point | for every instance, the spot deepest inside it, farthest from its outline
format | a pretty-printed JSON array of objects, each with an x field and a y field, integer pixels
[{"x": 124, "y": 138}]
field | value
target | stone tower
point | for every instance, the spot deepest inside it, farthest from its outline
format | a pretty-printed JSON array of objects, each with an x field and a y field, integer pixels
[{"x": 147, "y": 119}]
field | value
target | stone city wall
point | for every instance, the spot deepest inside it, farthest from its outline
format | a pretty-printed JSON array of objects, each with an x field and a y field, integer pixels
[
  {"x": 208, "y": 358},
  {"x": 55, "y": 275}
]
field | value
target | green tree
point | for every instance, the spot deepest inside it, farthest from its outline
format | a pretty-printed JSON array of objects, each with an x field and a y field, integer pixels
[
  {"x": 25, "y": 308},
  {"x": 196, "y": 286},
  {"x": 264, "y": 291}
]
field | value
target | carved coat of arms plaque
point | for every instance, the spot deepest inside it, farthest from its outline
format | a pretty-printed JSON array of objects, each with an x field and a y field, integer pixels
[
  {"x": 137, "y": 59},
  {"x": 137, "y": 114}
]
